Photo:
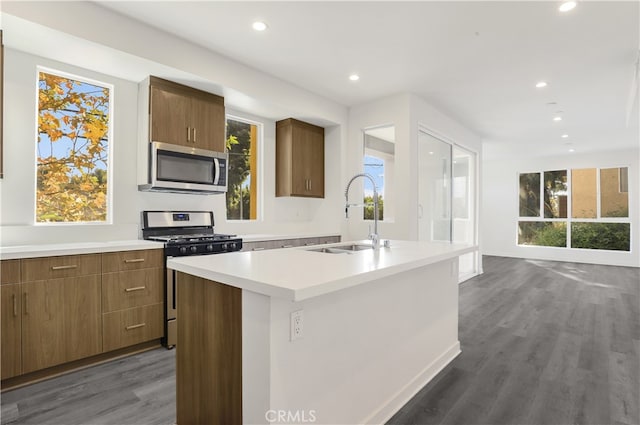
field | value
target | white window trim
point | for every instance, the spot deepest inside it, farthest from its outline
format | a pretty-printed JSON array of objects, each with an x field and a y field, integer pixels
[
  {"x": 570, "y": 220},
  {"x": 110, "y": 156}
]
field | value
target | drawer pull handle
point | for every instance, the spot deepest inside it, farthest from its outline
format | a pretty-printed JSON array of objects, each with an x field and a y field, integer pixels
[
  {"x": 287, "y": 246},
  {"x": 139, "y": 325},
  {"x": 258, "y": 248},
  {"x": 15, "y": 305},
  {"x": 136, "y": 288},
  {"x": 135, "y": 260},
  {"x": 72, "y": 266}
]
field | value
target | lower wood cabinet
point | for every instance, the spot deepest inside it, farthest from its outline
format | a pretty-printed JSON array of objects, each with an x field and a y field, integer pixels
[
  {"x": 56, "y": 310},
  {"x": 11, "y": 330},
  {"x": 60, "y": 321},
  {"x": 132, "y": 326},
  {"x": 132, "y": 298}
]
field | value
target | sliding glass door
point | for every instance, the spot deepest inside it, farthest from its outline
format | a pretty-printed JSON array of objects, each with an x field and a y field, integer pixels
[{"x": 446, "y": 196}]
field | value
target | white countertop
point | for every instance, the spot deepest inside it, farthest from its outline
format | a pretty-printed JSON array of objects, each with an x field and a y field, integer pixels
[
  {"x": 51, "y": 250},
  {"x": 266, "y": 237},
  {"x": 297, "y": 273}
]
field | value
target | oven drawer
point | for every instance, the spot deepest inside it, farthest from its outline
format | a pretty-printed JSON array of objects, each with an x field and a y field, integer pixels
[
  {"x": 134, "y": 288},
  {"x": 132, "y": 326},
  {"x": 59, "y": 267},
  {"x": 132, "y": 260}
]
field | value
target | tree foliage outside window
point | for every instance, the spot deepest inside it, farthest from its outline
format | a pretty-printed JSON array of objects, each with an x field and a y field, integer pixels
[
  {"x": 73, "y": 142},
  {"x": 241, "y": 204}
]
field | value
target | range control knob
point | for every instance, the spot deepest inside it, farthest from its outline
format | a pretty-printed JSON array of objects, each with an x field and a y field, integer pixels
[
  {"x": 194, "y": 249},
  {"x": 232, "y": 246},
  {"x": 183, "y": 250},
  {"x": 210, "y": 247},
  {"x": 223, "y": 247}
]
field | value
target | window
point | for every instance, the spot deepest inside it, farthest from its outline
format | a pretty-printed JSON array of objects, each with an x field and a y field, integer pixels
[
  {"x": 378, "y": 162},
  {"x": 373, "y": 166},
  {"x": 72, "y": 169},
  {"x": 242, "y": 146},
  {"x": 599, "y": 216}
]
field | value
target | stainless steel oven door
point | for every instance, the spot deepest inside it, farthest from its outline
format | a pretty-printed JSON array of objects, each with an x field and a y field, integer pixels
[{"x": 172, "y": 312}]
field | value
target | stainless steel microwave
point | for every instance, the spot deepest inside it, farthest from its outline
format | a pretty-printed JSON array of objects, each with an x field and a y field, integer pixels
[{"x": 181, "y": 169}]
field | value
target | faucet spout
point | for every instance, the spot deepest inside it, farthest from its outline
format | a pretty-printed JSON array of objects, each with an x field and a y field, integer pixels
[{"x": 375, "y": 240}]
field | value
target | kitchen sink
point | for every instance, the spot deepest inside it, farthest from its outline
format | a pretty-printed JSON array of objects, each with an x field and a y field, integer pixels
[{"x": 342, "y": 249}]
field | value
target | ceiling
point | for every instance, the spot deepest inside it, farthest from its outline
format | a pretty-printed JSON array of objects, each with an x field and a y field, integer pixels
[{"x": 475, "y": 61}]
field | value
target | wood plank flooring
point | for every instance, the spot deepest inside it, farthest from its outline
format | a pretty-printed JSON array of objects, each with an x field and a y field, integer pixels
[{"x": 543, "y": 343}]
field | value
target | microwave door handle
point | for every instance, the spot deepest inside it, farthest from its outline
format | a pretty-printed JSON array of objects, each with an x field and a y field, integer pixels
[{"x": 216, "y": 167}]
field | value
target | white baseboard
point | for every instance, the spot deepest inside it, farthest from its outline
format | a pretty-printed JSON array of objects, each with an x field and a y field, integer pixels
[{"x": 395, "y": 403}]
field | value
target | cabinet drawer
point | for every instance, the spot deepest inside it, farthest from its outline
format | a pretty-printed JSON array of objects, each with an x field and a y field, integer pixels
[
  {"x": 132, "y": 260},
  {"x": 9, "y": 271},
  {"x": 60, "y": 267},
  {"x": 133, "y": 288},
  {"x": 129, "y": 327}
]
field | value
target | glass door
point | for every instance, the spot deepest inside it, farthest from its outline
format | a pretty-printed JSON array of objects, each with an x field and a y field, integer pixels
[
  {"x": 446, "y": 196},
  {"x": 434, "y": 189}
]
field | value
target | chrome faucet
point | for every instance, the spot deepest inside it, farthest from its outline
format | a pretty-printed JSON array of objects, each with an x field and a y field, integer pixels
[{"x": 375, "y": 239}]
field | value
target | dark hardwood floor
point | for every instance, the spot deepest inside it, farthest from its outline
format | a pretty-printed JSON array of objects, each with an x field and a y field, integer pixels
[{"x": 543, "y": 343}]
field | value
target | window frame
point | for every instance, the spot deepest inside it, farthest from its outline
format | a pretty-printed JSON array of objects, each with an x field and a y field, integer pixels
[
  {"x": 569, "y": 220},
  {"x": 259, "y": 174},
  {"x": 110, "y": 156}
]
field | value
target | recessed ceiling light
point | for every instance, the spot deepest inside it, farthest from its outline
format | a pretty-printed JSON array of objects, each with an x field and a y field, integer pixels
[
  {"x": 564, "y": 136},
  {"x": 430, "y": 153},
  {"x": 541, "y": 84},
  {"x": 572, "y": 150},
  {"x": 259, "y": 26},
  {"x": 557, "y": 118},
  {"x": 567, "y": 6},
  {"x": 354, "y": 77}
]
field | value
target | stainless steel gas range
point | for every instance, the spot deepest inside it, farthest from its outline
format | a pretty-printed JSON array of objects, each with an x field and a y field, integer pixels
[{"x": 183, "y": 233}]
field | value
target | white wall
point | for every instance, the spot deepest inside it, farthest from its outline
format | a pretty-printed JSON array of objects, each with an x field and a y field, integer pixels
[
  {"x": 393, "y": 110},
  {"x": 500, "y": 206},
  {"x": 153, "y": 53},
  {"x": 408, "y": 113}
]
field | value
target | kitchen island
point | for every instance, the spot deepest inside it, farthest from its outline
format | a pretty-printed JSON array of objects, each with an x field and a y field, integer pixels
[{"x": 375, "y": 327}]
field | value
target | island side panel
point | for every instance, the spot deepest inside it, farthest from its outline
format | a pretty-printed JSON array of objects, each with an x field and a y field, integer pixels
[
  {"x": 256, "y": 357},
  {"x": 365, "y": 350},
  {"x": 209, "y": 352}
]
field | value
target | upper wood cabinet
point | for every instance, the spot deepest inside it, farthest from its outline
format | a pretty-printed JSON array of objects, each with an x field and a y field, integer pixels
[
  {"x": 299, "y": 159},
  {"x": 186, "y": 116}
]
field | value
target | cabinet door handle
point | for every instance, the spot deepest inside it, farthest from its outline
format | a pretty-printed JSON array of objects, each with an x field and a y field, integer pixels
[
  {"x": 135, "y": 260},
  {"x": 258, "y": 248},
  {"x": 15, "y": 305},
  {"x": 139, "y": 325},
  {"x": 26, "y": 303},
  {"x": 188, "y": 134},
  {"x": 309, "y": 184},
  {"x": 287, "y": 246},
  {"x": 136, "y": 288},
  {"x": 72, "y": 266},
  {"x": 194, "y": 134}
]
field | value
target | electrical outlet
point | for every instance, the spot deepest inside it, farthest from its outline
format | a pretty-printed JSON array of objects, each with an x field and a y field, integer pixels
[{"x": 297, "y": 325}]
